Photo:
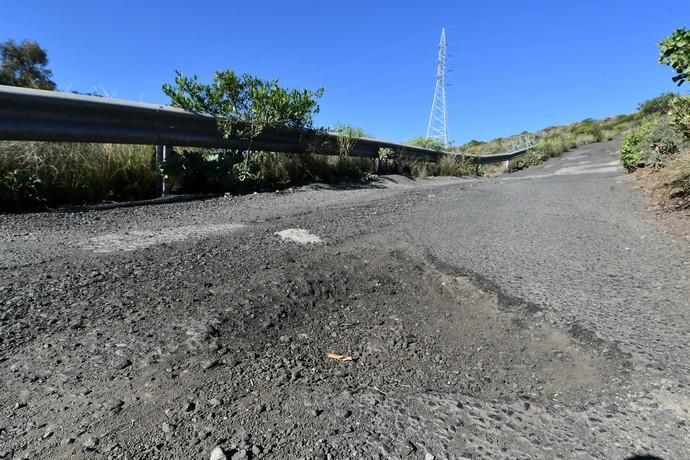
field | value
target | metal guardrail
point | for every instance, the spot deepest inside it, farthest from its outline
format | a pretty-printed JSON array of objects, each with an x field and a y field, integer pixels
[{"x": 38, "y": 115}]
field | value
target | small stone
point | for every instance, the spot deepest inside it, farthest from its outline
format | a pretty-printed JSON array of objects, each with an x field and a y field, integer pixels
[
  {"x": 67, "y": 440},
  {"x": 48, "y": 432},
  {"x": 282, "y": 378},
  {"x": 244, "y": 436},
  {"x": 121, "y": 363},
  {"x": 215, "y": 402},
  {"x": 189, "y": 406},
  {"x": 407, "y": 448},
  {"x": 342, "y": 413},
  {"x": 218, "y": 454},
  {"x": 315, "y": 412},
  {"x": 166, "y": 427},
  {"x": 256, "y": 450},
  {"x": 114, "y": 405},
  {"x": 429, "y": 456},
  {"x": 90, "y": 443},
  {"x": 71, "y": 372},
  {"x": 206, "y": 365},
  {"x": 284, "y": 338},
  {"x": 240, "y": 455}
]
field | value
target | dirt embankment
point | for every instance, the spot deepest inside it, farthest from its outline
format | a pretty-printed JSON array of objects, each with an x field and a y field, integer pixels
[{"x": 668, "y": 190}]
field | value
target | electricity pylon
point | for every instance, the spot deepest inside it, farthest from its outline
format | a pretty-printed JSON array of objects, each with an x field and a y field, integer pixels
[{"x": 438, "y": 120}]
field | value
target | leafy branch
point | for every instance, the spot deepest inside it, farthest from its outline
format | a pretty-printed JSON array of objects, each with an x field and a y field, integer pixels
[
  {"x": 245, "y": 105},
  {"x": 675, "y": 52}
]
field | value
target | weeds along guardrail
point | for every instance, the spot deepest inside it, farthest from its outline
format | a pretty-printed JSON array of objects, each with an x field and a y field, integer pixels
[{"x": 38, "y": 115}]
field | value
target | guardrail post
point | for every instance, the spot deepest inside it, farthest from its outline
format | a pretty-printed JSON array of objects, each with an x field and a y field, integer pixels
[{"x": 162, "y": 153}]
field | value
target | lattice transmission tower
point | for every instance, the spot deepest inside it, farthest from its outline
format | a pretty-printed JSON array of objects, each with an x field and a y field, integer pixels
[{"x": 438, "y": 119}]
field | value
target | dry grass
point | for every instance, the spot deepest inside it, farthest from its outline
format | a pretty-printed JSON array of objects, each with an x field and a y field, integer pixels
[
  {"x": 556, "y": 140},
  {"x": 36, "y": 174},
  {"x": 76, "y": 173},
  {"x": 447, "y": 166}
]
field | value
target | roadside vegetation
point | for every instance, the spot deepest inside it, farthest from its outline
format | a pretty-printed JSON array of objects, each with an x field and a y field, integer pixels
[
  {"x": 659, "y": 149},
  {"x": 40, "y": 174},
  {"x": 33, "y": 174},
  {"x": 556, "y": 140},
  {"x": 47, "y": 174}
]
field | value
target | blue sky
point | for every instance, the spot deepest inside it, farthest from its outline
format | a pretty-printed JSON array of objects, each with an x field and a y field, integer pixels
[{"x": 514, "y": 65}]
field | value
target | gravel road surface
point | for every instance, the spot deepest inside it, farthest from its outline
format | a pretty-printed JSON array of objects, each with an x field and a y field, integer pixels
[{"x": 542, "y": 314}]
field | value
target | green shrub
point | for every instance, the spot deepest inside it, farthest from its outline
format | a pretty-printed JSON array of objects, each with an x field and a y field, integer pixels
[
  {"x": 427, "y": 143},
  {"x": 385, "y": 154},
  {"x": 245, "y": 105},
  {"x": 21, "y": 189},
  {"x": 680, "y": 116},
  {"x": 347, "y": 138},
  {"x": 631, "y": 152},
  {"x": 195, "y": 171},
  {"x": 387, "y": 163},
  {"x": 658, "y": 105},
  {"x": 588, "y": 127},
  {"x": 650, "y": 144},
  {"x": 532, "y": 158},
  {"x": 553, "y": 146},
  {"x": 637, "y": 145}
]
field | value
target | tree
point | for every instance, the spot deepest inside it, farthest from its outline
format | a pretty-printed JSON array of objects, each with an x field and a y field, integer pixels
[
  {"x": 245, "y": 105},
  {"x": 24, "y": 65},
  {"x": 675, "y": 52},
  {"x": 427, "y": 142}
]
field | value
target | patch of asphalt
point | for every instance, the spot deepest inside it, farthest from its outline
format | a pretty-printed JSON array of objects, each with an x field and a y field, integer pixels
[
  {"x": 173, "y": 350},
  {"x": 480, "y": 316},
  {"x": 39, "y": 237},
  {"x": 599, "y": 158},
  {"x": 583, "y": 249},
  {"x": 139, "y": 239}
]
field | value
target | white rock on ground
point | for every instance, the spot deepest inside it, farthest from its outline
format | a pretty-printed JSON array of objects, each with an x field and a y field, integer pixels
[
  {"x": 299, "y": 235},
  {"x": 218, "y": 454}
]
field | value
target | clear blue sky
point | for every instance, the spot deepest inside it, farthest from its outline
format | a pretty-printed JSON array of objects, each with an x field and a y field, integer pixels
[{"x": 514, "y": 65}]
